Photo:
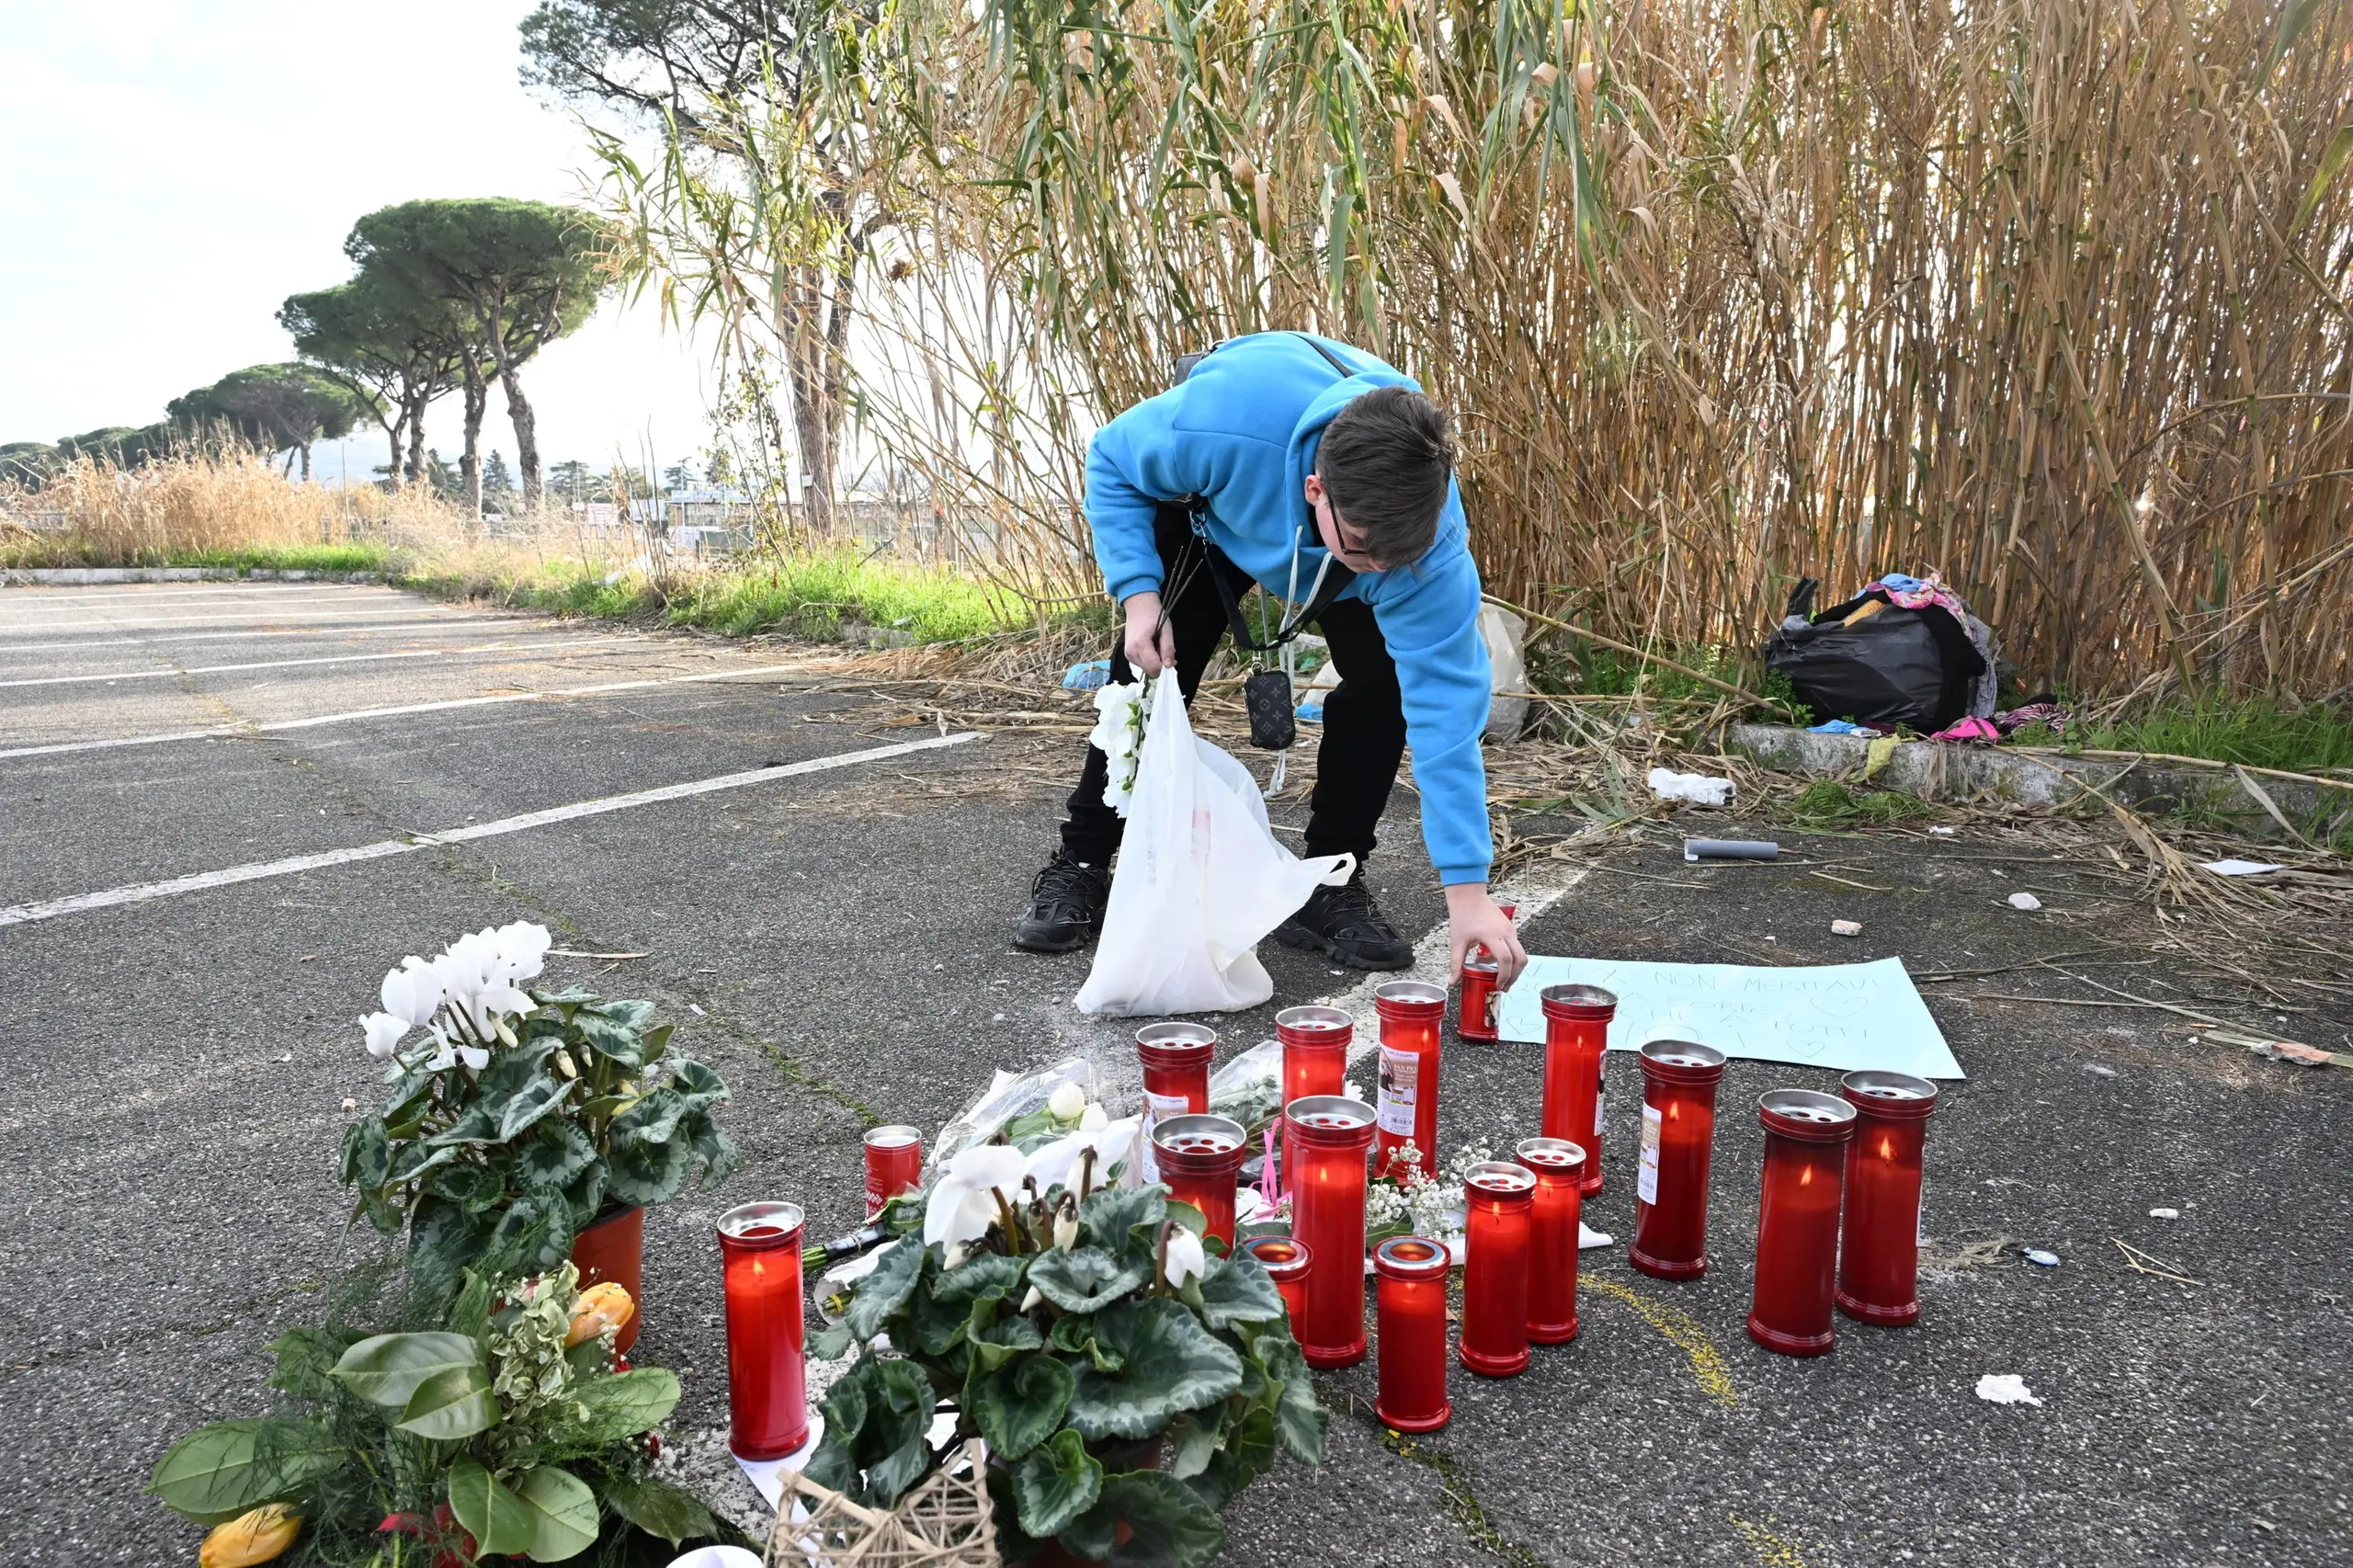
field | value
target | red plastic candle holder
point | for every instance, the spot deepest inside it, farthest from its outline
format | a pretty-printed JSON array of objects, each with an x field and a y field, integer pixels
[
  {"x": 894, "y": 1164},
  {"x": 1200, "y": 1159},
  {"x": 1797, "y": 1219},
  {"x": 767, "y": 1390},
  {"x": 1411, "y": 1013},
  {"x": 1287, "y": 1261},
  {"x": 1501, "y": 1198},
  {"x": 1331, "y": 1133},
  {"x": 1576, "y": 1038},
  {"x": 1476, "y": 1018},
  {"x": 1410, "y": 1298},
  {"x": 1315, "y": 1043},
  {"x": 1679, "y": 1083},
  {"x": 1879, "y": 1251},
  {"x": 1176, "y": 1059},
  {"x": 1553, "y": 1216}
]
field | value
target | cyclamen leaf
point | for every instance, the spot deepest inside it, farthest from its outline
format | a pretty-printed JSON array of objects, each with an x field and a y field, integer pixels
[
  {"x": 475, "y": 1124},
  {"x": 897, "y": 1448},
  {"x": 517, "y": 1112},
  {"x": 1057, "y": 1482},
  {"x": 412, "y": 1160},
  {"x": 657, "y": 1507},
  {"x": 1192, "y": 1441},
  {"x": 560, "y": 1152},
  {"x": 630, "y": 1014},
  {"x": 1241, "y": 1453},
  {"x": 472, "y": 1188},
  {"x": 1168, "y": 1525},
  {"x": 612, "y": 1039},
  {"x": 1085, "y": 1278},
  {"x": 652, "y": 1119},
  {"x": 698, "y": 1085},
  {"x": 1074, "y": 1332},
  {"x": 1237, "y": 1289},
  {"x": 366, "y": 1156},
  {"x": 452, "y": 1404},
  {"x": 987, "y": 1273},
  {"x": 1112, "y": 1216},
  {"x": 534, "y": 1234},
  {"x": 628, "y": 1403},
  {"x": 386, "y": 1368},
  {"x": 563, "y": 1513},
  {"x": 1300, "y": 1421},
  {"x": 500, "y": 1522},
  {"x": 886, "y": 1289},
  {"x": 1170, "y": 1364},
  {"x": 639, "y": 1172},
  {"x": 1020, "y": 1404},
  {"x": 711, "y": 1147},
  {"x": 996, "y": 1334}
]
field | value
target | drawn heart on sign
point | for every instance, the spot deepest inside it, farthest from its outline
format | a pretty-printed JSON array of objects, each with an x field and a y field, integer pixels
[{"x": 1841, "y": 1006}]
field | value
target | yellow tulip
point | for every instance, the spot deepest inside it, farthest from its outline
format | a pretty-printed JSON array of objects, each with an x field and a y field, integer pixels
[
  {"x": 600, "y": 1307},
  {"x": 250, "y": 1538}
]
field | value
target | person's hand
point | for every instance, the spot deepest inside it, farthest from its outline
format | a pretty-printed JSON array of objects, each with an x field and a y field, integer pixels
[
  {"x": 1150, "y": 644},
  {"x": 1474, "y": 921}
]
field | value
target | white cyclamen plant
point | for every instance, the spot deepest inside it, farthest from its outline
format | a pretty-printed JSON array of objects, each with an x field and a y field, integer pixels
[
  {"x": 466, "y": 995},
  {"x": 1119, "y": 734}
]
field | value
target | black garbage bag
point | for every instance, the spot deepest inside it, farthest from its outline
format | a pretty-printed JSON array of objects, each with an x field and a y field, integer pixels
[{"x": 1915, "y": 667}]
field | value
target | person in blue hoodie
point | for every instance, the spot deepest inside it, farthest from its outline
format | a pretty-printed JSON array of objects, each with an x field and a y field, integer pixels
[{"x": 1313, "y": 471}]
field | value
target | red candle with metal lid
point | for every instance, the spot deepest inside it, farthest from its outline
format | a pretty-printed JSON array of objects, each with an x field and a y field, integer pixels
[
  {"x": 1679, "y": 1081},
  {"x": 1411, "y": 1013},
  {"x": 1287, "y": 1261},
  {"x": 1501, "y": 1198},
  {"x": 894, "y": 1164},
  {"x": 1576, "y": 1039},
  {"x": 1797, "y": 1219},
  {"x": 1410, "y": 1295},
  {"x": 1315, "y": 1043},
  {"x": 1176, "y": 1057},
  {"x": 1476, "y": 1018},
  {"x": 1878, "y": 1253},
  {"x": 1331, "y": 1133},
  {"x": 767, "y": 1402},
  {"x": 1200, "y": 1159},
  {"x": 1553, "y": 1216}
]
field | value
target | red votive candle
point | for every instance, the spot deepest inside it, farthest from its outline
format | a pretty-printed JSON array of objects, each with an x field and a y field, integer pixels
[
  {"x": 1679, "y": 1083},
  {"x": 767, "y": 1402},
  {"x": 1411, "y": 1012},
  {"x": 1286, "y": 1260},
  {"x": 1576, "y": 1037},
  {"x": 1175, "y": 1060},
  {"x": 1476, "y": 1018},
  {"x": 1200, "y": 1159},
  {"x": 1552, "y": 1237},
  {"x": 1315, "y": 1043},
  {"x": 1797, "y": 1219},
  {"x": 1879, "y": 1252},
  {"x": 894, "y": 1164},
  {"x": 1331, "y": 1133},
  {"x": 1501, "y": 1200},
  {"x": 1410, "y": 1297}
]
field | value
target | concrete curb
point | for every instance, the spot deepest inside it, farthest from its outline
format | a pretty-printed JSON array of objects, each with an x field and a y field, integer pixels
[
  {"x": 85, "y": 576},
  {"x": 1935, "y": 770}
]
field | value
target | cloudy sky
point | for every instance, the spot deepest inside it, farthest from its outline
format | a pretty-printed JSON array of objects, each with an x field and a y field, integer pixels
[{"x": 174, "y": 170}]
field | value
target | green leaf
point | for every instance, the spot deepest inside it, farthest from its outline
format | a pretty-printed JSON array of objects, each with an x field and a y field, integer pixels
[
  {"x": 982, "y": 1273},
  {"x": 450, "y": 1404},
  {"x": 1057, "y": 1482},
  {"x": 903, "y": 1435},
  {"x": 472, "y": 1188},
  {"x": 412, "y": 1160},
  {"x": 657, "y": 1043},
  {"x": 997, "y": 1333},
  {"x": 470, "y": 1313},
  {"x": 475, "y": 1124},
  {"x": 658, "y": 1509},
  {"x": 1168, "y": 1525},
  {"x": 387, "y": 1369},
  {"x": 1124, "y": 1220},
  {"x": 1019, "y": 1403},
  {"x": 1192, "y": 1441},
  {"x": 570, "y": 996},
  {"x": 366, "y": 1156},
  {"x": 1300, "y": 1421},
  {"x": 831, "y": 1343},
  {"x": 1085, "y": 1278},
  {"x": 560, "y": 1152},
  {"x": 652, "y": 1119},
  {"x": 535, "y": 1233},
  {"x": 626, "y": 1404},
  {"x": 500, "y": 1522},
  {"x": 649, "y": 1173},
  {"x": 563, "y": 1513},
  {"x": 1236, "y": 1290},
  {"x": 218, "y": 1471},
  {"x": 1073, "y": 1333},
  {"x": 614, "y": 1040},
  {"x": 305, "y": 1358},
  {"x": 519, "y": 1111},
  {"x": 629, "y": 1013},
  {"x": 1170, "y": 1364},
  {"x": 2331, "y": 160},
  {"x": 884, "y": 1291},
  {"x": 710, "y": 1148},
  {"x": 698, "y": 1085},
  {"x": 1239, "y": 1455},
  {"x": 447, "y": 1232}
]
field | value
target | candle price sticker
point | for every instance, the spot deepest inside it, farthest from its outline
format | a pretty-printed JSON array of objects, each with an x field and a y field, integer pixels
[
  {"x": 1600, "y": 1099},
  {"x": 1646, "y": 1175},
  {"x": 1401, "y": 1073},
  {"x": 1156, "y": 1107}
]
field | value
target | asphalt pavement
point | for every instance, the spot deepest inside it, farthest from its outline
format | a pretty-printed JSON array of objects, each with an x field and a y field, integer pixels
[{"x": 225, "y": 809}]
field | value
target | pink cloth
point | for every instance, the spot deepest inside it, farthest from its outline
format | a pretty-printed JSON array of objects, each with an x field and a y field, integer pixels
[{"x": 1970, "y": 732}]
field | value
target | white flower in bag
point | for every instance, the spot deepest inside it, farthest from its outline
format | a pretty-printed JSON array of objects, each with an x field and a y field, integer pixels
[
  {"x": 963, "y": 1205},
  {"x": 1056, "y": 1164},
  {"x": 1119, "y": 734}
]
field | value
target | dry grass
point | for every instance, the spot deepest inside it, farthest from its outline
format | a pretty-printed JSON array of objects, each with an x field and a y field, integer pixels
[{"x": 2046, "y": 297}]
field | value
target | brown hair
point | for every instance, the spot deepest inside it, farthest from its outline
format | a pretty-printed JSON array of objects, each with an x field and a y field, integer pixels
[{"x": 1385, "y": 460}]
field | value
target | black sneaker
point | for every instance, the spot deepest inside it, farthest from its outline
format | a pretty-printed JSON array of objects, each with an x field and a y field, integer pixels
[
  {"x": 1065, "y": 906},
  {"x": 1344, "y": 925}
]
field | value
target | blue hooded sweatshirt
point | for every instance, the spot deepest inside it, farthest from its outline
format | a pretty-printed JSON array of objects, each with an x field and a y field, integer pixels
[{"x": 1242, "y": 431}]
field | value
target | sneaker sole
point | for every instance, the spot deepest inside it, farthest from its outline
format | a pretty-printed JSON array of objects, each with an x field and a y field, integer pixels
[
  {"x": 1041, "y": 945},
  {"x": 1295, "y": 936}
]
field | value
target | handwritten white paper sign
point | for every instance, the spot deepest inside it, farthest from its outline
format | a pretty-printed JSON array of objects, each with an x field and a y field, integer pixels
[{"x": 1840, "y": 1016}]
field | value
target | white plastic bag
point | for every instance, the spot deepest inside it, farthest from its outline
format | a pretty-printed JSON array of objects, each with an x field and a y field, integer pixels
[{"x": 1200, "y": 880}]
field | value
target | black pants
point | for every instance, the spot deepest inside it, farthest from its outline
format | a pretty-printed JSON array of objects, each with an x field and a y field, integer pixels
[{"x": 1364, "y": 720}]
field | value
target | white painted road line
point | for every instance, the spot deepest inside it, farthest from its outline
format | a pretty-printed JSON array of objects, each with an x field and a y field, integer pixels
[
  {"x": 289, "y": 663},
  {"x": 475, "y": 623},
  {"x": 19, "y": 914},
  {"x": 220, "y": 731},
  {"x": 421, "y": 611}
]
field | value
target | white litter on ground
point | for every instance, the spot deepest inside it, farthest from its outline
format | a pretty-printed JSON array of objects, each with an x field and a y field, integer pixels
[
  {"x": 1845, "y": 927},
  {"x": 2239, "y": 867},
  {"x": 2025, "y": 901},
  {"x": 2165, "y": 1213},
  {"x": 2006, "y": 1387},
  {"x": 1696, "y": 788}
]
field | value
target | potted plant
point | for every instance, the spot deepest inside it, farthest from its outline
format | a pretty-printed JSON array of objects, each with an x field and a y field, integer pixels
[
  {"x": 1127, "y": 1383},
  {"x": 503, "y": 1430},
  {"x": 525, "y": 1120}
]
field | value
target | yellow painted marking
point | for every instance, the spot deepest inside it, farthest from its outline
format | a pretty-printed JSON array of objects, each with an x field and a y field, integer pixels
[
  {"x": 1771, "y": 1550},
  {"x": 1683, "y": 1331}
]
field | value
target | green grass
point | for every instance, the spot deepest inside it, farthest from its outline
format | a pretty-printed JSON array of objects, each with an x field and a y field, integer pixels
[
  {"x": 2259, "y": 732},
  {"x": 369, "y": 557},
  {"x": 1828, "y": 803}
]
